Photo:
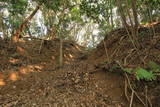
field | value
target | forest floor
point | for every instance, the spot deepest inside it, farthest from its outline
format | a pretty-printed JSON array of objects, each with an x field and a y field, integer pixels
[{"x": 30, "y": 76}]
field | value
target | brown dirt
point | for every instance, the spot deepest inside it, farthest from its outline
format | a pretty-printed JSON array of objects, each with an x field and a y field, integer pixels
[
  {"x": 120, "y": 49},
  {"x": 32, "y": 79},
  {"x": 29, "y": 78}
]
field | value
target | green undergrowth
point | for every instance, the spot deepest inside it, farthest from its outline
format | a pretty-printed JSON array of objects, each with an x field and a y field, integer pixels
[{"x": 148, "y": 73}]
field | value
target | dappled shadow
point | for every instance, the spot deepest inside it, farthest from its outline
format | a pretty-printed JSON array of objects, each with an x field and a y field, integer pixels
[
  {"x": 13, "y": 76},
  {"x": 30, "y": 68},
  {"x": 27, "y": 73},
  {"x": 29, "y": 57},
  {"x": 2, "y": 83}
]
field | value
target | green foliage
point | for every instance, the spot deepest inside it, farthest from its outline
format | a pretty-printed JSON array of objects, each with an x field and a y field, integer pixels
[
  {"x": 15, "y": 23},
  {"x": 95, "y": 9},
  {"x": 17, "y": 6},
  {"x": 142, "y": 34},
  {"x": 141, "y": 73},
  {"x": 53, "y": 4},
  {"x": 155, "y": 67},
  {"x": 144, "y": 74},
  {"x": 148, "y": 9},
  {"x": 67, "y": 13},
  {"x": 75, "y": 14},
  {"x": 115, "y": 67},
  {"x": 128, "y": 70}
]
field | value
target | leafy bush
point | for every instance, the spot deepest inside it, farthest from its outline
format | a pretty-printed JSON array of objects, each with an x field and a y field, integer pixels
[
  {"x": 155, "y": 67},
  {"x": 141, "y": 73},
  {"x": 144, "y": 74}
]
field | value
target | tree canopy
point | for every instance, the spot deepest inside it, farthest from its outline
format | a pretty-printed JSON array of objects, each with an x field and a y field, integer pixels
[{"x": 69, "y": 15}]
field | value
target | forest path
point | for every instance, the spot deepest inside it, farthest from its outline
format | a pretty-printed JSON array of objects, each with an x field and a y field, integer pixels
[
  {"x": 29, "y": 76},
  {"x": 77, "y": 84}
]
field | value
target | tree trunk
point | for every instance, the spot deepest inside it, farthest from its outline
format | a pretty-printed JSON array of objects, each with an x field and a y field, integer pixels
[
  {"x": 15, "y": 36},
  {"x": 121, "y": 12},
  {"x": 135, "y": 15},
  {"x": 136, "y": 23},
  {"x": 61, "y": 53},
  {"x": 1, "y": 23},
  {"x": 111, "y": 13}
]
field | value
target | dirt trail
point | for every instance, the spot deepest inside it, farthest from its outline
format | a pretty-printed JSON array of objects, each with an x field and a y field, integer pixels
[
  {"x": 30, "y": 77},
  {"x": 73, "y": 86}
]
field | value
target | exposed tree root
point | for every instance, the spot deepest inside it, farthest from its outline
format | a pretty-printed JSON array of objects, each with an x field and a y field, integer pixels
[
  {"x": 131, "y": 101},
  {"x": 126, "y": 90},
  {"x": 133, "y": 92}
]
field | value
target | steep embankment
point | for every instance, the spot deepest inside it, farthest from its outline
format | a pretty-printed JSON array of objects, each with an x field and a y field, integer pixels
[{"x": 117, "y": 49}]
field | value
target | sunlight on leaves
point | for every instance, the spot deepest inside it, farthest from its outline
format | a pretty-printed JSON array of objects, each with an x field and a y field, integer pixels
[
  {"x": 2, "y": 83},
  {"x": 23, "y": 70},
  {"x": 78, "y": 48},
  {"x": 30, "y": 68},
  {"x": 13, "y": 77},
  {"x": 20, "y": 50},
  {"x": 38, "y": 67},
  {"x": 71, "y": 56},
  {"x": 53, "y": 58},
  {"x": 1, "y": 76},
  {"x": 13, "y": 61}
]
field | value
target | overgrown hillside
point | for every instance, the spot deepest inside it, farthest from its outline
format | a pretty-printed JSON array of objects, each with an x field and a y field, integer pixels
[
  {"x": 117, "y": 54},
  {"x": 117, "y": 46},
  {"x": 79, "y": 53},
  {"x": 30, "y": 75}
]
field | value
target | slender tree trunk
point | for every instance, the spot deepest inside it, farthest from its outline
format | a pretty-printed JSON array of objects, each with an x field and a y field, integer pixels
[
  {"x": 93, "y": 40},
  {"x": 61, "y": 39},
  {"x": 136, "y": 23},
  {"x": 121, "y": 12},
  {"x": 2, "y": 28},
  {"x": 1, "y": 23},
  {"x": 112, "y": 24},
  {"x": 151, "y": 19},
  {"x": 29, "y": 32},
  {"x": 16, "y": 35},
  {"x": 61, "y": 52},
  {"x": 133, "y": 36},
  {"x": 135, "y": 15}
]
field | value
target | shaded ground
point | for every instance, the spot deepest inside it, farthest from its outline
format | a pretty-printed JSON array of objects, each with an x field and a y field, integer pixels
[
  {"x": 30, "y": 76},
  {"x": 118, "y": 48}
]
